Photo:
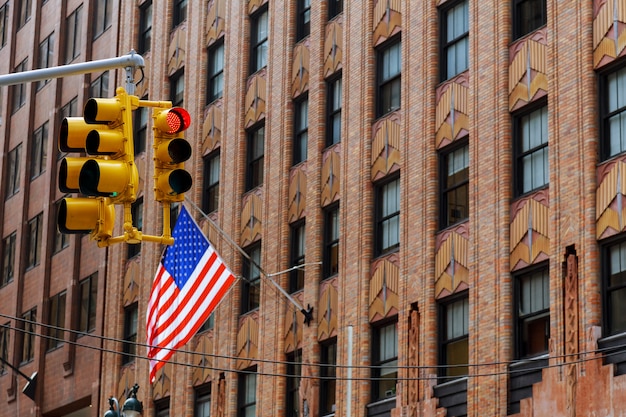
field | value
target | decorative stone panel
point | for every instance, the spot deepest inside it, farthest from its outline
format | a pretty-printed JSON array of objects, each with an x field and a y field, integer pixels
[
  {"x": 300, "y": 69},
  {"x": 177, "y": 50},
  {"x": 294, "y": 323},
  {"x": 333, "y": 49},
  {"x": 251, "y": 226},
  {"x": 452, "y": 111},
  {"x": 253, "y": 5},
  {"x": 161, "y": 387},
  {"x": 451, "y": 261},
  {"x": 202, "y": 359},
  {"x": 297, "y": 193},
  {"x": 256, "y": 98},
  {"x": 215, "y": 20},
  {"x": 530, "y": 223},
  {"x": 609, "y": 31},
  {"x": 212, "y": 128},
  {"x": 247, "y": 340},
  {"x": 132, "y": 277},
  {"x": 328, "y": 310},
  {"x": 528, "y": 80},
  {"x": 610, "y": 201},
  {"x": 331, "y": 160},
  {"x": 386, "y": 146},
  {"x": 387, "y": 20},
  {"x": 384, "y": 288}
]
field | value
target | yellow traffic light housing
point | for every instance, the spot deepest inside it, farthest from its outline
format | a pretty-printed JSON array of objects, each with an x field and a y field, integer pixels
[
  {"x": 171, "y": 150},
  {"x": 95, "y": 216}
]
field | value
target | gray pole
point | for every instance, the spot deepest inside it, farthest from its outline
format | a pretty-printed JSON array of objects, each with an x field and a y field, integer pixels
[{"x": 130, "y": 60}]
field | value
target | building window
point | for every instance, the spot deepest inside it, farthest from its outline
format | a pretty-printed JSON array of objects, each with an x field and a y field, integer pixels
[
  {"x": 528, "y": 15},
  {"x": 73, "y": 35},
  {"x": 23, "y": 12},
  {"x": 88, "y": 300},
  {"x": 533, "y": 312},
  {"x": 256, "y": 153},
  {"x": 30, "y": 331},
  {"x": 294, "y": 372},
  {"x": 19, "y": 90},
  {"x": 215, "y": 71},
  {"x": 303, "y": 24},
  {"x": 102, "y": 17},
  {"x": 8, "y": 259},
  {"x": 301, "y": 131},
  {"x": 162, "y": 407},
  {"x": 34, "y": 241},
  {"x": 180, "y": 12},
  {"x": 129, "y": 346},
  {"x": 56, "y": 319},
  {"x": 136, "y": 209},
  {"x": 247, "y": 393},
  {"x": 614, "y": 288},
  {"x": 13, "y": 168},
  {"x": 211, "y": 177},
  {"x": 202, "y": 402},
  {"x": 531, "y": 156},
  {"x": 334, "y": 8},
  {"x": 454, "y": 40},
  {"x": 209, "y": 324},
  {"x": 141, "y": 129},
  {"x": 4, "y": 22},
  {"x": 331, "y": 241},
  {"x": 100, "y": 86},
  {"x": 61, "y": 240},
  {"x": 384, "y": 361},
  {"x": 388, "y": 78},
  {"x": 46, "y": 55},
  {"x": 454, "y": 171},
  {"x": 333, "y": 111},
  {"x": 387, "y": 216},
  {"x": 298, "y": 240},
  {"x": 454, "y": 336},
  {"x": 177, "y": 88},
  {"x": 328, "y": 373},
  {"x": 145, "y": 27},
  {"x": 4, "y": 347},
  {"x": 251, "y": 282},
  {"x": 258, "y": 39},
  {"x": 613, "y": 111},
  {"x": 39, "y": 153}
]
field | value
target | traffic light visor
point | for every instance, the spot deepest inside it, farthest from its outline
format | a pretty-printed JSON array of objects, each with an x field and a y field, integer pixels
[
  {"x": 172, "y": 121},
  {"x": 102, "y": 110}
]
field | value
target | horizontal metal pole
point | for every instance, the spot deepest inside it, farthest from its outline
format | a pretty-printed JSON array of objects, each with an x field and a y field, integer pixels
[{"x": 130, "y": 60}]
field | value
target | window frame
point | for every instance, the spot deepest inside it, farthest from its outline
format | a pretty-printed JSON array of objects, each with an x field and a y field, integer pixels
[
  {"x": 5, "y": 340},
  {"x": 140, "y": 128},
  {"x": 33, "y": 241},
  {"x": 517, "y": 17},
  {"x": 28, "y": 336},
  {"x": 179, "y": 13},
  {"x": 297, "y": 252},
  {"x": 215, "y": 71},
  {"x": 73, "y": 29},
  {"x": 211, "y": 181},
  {"x": 19, "y": 90},
  {"x": 61, "y": 240},
  {"x": 608, "y": 322},
  {"x": 246, "y": 402},
  {"x": 328, "y": 369},
  {"x": 445, "y": 220},
  {"x": 102, "y": 17},
  {"x": 384, "y": 219},
  {"x": 387, "y": 85},
  {"x": 332, "y": 236},
  {"x": 303, "y": 19},
  {"x": 177, "y": 88},
  {"x": 134, "y": 249},
  {"x": 8, "y": 258},
  {"x": 14, "y": 173},
  {"x": 23, "y": 11},
  {"x": 300, "y": 129},
  {"x": 4, "y": 23},
  {"x": 56, "y": 320},
  {"x": 39, "y": 151},
  {"x": 521, "y": 319},
  {"x": 202, "y": 397},
  {"x": 292, "y": 385},
  {"x": 523, "y": 121},
  {"x": 145, "y": 28},
  {"x": 335, "y": 7},
  {"x": 450, "y": 370},
  {"x": 379, "y": 363},
  {"x": 255, "y": 158},
  {"x": 606, "y": 114},
  {"x": 333, "y": 112},
  {"x": 129, "y": 344},
  {"x": 251, "y": 279},
  {"x": 88, "y": 291},
  {"x": 259, "y": 43},
  {"x": 45, "y": 58},
  {"x": 446, "y": 45}
]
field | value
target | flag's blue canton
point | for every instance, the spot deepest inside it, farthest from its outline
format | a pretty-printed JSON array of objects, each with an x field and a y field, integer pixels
[{"x": 189, "y": 245}]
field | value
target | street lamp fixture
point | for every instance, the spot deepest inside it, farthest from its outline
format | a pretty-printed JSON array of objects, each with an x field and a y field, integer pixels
[{"x": 132, "y": 406}]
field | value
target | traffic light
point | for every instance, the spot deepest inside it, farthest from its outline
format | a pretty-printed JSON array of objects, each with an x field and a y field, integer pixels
[
  {"x": 107, "y": 176},
  {"x": 171, "y": 150}
]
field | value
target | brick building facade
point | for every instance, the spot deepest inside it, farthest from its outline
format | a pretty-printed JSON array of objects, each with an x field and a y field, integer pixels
[{"x": 449, "y": 173}]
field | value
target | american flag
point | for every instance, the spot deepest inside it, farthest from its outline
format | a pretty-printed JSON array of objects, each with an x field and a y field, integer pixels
[{"x": 190, "y": 282}]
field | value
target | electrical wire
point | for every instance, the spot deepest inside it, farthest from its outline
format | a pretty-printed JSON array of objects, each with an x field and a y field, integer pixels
[{"x": 599, "y": 354}]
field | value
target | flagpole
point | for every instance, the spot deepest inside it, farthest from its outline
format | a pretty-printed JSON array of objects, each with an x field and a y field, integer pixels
[{"x": 308, "y": 312}]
